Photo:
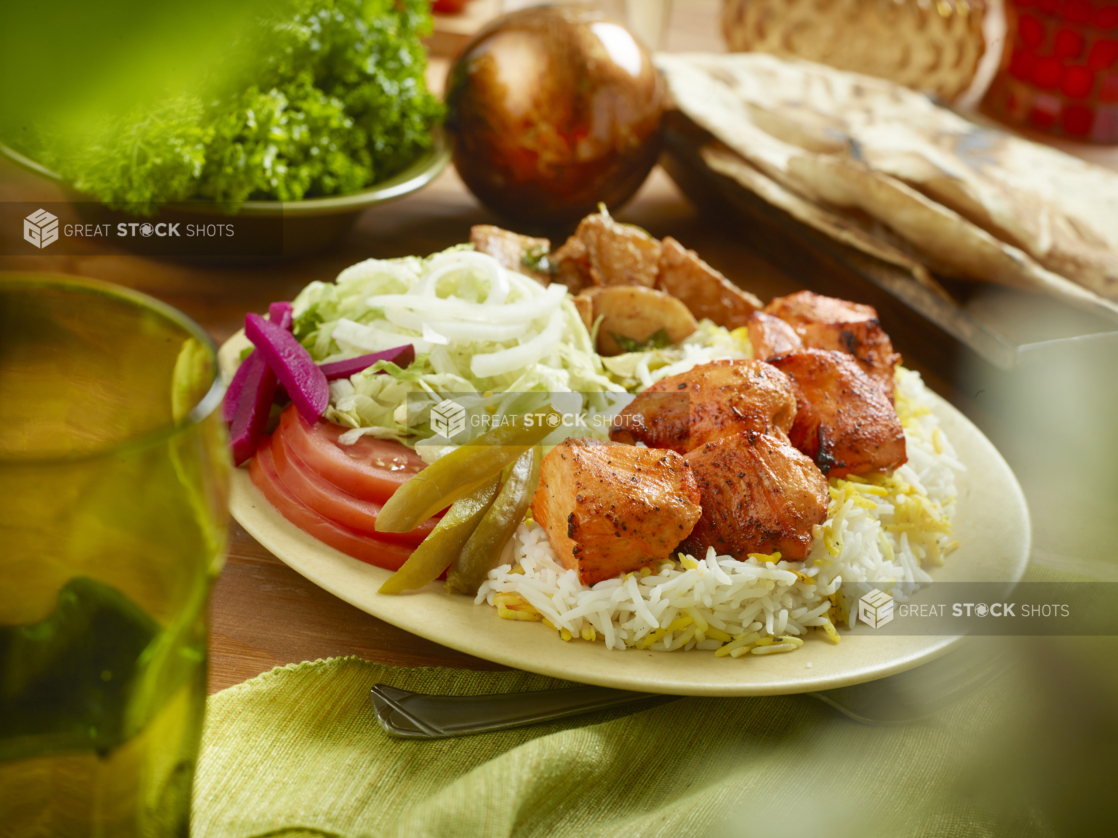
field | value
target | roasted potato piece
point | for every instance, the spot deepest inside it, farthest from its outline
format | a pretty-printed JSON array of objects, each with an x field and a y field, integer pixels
[
  {"x": 722, "y": 398},
  {"x": 610, "y": 509},
  {"x": 845, "y": 422},
  {"x": 770, "y": 336},
  {"x": 584, "y": 305},
  {"x": 759, "y": 495},
  {"x": 514, "y": 251},
  {"x": 636, "y": 313},
  {"x": 618, "y": 254},
  {"x": 704, "y": 291},
  {"x": 571, "y": 265}
]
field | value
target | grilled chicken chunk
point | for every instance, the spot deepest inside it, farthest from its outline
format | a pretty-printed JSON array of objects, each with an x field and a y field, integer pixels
[
  {"x": 722, "y": 398},
  {"x": 514, "y": 251},
  {"x": 610, "y": 509},
  {"x": 845, "y": 422},
  {"x": 804, "y": 307},
  {"x": 705, "y": 291},
  {"x": 759, "y": 495},
  {"x": 840, "y": 326},
  {"x": 866, "y": 341},
  {"x": 770, "y": 336}
]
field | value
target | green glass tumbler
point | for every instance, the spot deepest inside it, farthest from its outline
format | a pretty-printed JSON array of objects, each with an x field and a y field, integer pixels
[{"x": 113, "y": 523}]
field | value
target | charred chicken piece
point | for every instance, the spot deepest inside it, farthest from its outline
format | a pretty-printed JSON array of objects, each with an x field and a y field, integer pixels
[
  {"x": 865, "y": 341},
  {"x": 770, "y": 336},
  {"x": 610, "y": 509},
  {"x": 523, "y": 254},
  {"x": 722, "y": 398},
  {"x": 840, "y": 326},
  {"x": 705, "y": 291},
  {"x": 804, "y": 307},
  {"x": 845, "y": 422},
  {"x": 759, "y": 495}
]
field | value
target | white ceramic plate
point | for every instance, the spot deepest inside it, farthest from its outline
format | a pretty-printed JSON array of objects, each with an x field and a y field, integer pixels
[{"x": 991, "y": 523}]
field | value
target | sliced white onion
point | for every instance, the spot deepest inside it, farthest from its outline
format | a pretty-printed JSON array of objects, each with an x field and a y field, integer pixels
[
  {"x": 527, "y": 287},
  {"x": 378, "y": 268},
  {"x": 481, "y": 331},
  {"x": 432, "y": 336},
  {"x": 451, "y": 308},
  {"x": 467, "y": 260},
  {"x": 498, "y": 292},
  {"x": 455, "y": 329},
  {"x": 372, "y": 339},
  {"x": 504, "y": 361}
]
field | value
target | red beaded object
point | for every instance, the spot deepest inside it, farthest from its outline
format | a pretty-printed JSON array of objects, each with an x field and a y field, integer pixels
[{"x": 1061, "y": 76}]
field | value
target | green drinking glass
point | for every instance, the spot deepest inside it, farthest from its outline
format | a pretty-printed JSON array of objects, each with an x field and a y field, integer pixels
[{"x": 113, "y": 523}]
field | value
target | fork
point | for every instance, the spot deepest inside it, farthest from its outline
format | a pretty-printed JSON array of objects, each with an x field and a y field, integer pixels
[{"x": 898, "y": 699}]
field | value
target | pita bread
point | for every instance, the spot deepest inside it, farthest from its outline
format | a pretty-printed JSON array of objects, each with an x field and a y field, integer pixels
[
  {"x": 809, "y": 142},
  {"x": 842, "y": 228}
]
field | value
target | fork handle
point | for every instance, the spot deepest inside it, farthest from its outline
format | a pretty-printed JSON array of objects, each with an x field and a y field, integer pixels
[{"x": 417, "y": 716}]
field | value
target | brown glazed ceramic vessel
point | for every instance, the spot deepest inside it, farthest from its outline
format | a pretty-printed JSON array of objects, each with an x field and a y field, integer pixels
[{"x": 551, "y": 111}]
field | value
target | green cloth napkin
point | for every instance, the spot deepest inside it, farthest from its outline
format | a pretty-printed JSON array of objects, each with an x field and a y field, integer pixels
[{"x": 297, "y": 752}]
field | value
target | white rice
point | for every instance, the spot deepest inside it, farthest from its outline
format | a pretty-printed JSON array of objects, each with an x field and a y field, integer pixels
[{"x": 882, "y": 532}]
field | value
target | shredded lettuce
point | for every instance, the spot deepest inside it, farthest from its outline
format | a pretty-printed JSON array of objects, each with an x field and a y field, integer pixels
[
  {"x": 494, "y": 341},
  {"x": 637, "y": 370},
  {"x": 485, "y": 347}
]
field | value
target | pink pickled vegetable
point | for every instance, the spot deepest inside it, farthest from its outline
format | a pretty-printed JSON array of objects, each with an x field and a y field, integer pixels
[
  {"x": 281, "y": 315},
  {"x": 293, "y": 366},
  {"x": 257, "y": 385},
  {"x": 401, "y": 356},
  {"x": 235, "y": 391}
]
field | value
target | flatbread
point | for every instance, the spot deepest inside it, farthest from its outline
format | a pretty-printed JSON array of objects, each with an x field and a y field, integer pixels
[
  {"x": 841, "y": 228},
  {"x": 804, "y": 146}
]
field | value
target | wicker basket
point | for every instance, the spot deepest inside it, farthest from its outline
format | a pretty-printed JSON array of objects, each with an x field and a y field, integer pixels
[{"x": 932, "y": 45}]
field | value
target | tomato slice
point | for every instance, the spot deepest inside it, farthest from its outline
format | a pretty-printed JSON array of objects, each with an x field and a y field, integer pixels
[
  {"x": 374, "y": 551},
  {"x": 371, "y": 469},
  {"x": 331, "y": 502}
]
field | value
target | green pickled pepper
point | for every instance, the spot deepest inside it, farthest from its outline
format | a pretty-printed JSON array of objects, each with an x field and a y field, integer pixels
[
  {"x": 445, "y": 542},
  {"x": 464, "y": 470},
  {"x": 484, "y": 546}
]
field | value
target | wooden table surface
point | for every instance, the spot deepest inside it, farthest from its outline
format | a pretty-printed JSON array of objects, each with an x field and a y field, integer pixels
[{"x": 263, "y": 614}]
